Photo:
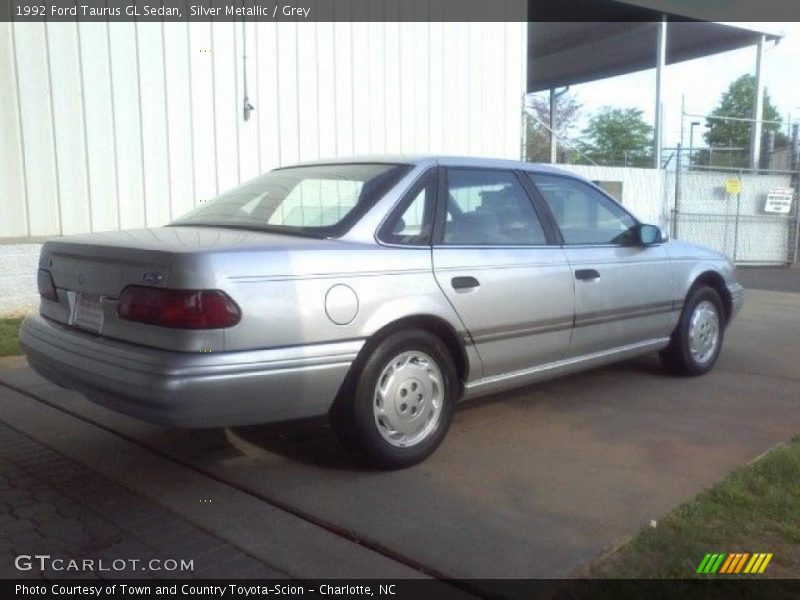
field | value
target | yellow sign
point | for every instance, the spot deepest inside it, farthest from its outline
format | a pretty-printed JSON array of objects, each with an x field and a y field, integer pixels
[{"x": 733, "y": 186}]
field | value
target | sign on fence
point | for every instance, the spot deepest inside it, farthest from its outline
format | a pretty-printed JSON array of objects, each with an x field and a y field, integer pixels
[
  {"x": 779, "y": 201},
  {"x": 733, "y": 186}
]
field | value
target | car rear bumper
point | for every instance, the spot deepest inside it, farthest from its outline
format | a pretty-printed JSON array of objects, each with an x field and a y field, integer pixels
[{"x": 188, "y": 389}]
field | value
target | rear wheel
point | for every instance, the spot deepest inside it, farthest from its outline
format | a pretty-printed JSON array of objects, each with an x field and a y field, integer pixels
[
  {"x": 400, "y": 407},
  {"x": 697, "y": 340}
]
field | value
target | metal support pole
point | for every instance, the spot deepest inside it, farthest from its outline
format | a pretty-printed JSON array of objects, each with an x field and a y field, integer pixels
[
  {"x": 523, "y": 151},
  {"x": 661, "y": 124},
  {"x": 661, "y": 59},
  {"x": 683, "y": 122},
  {"x": 553, "y": 139},
  {"x": 758, "y": 108},
  {"x": 676, "y": 209}
]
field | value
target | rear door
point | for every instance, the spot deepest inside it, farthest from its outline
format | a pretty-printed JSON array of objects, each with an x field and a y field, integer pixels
[
  {"x": 623, "y": 292},
  {"x": 497, "y": 262}
]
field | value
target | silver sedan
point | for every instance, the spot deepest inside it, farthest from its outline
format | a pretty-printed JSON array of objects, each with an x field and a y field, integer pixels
[{"x": 377, "y": 291}]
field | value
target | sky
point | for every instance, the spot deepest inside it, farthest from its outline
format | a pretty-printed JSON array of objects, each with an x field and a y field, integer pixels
[{"x": 702, "y": 81}]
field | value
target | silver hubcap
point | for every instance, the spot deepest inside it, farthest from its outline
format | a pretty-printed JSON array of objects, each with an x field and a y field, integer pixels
[
  {"x": 704, "y": 332},
  {"x": 408, "y": 399}
]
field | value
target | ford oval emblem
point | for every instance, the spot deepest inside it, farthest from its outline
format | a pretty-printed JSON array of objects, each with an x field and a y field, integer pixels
[{"x": 151, "y": 277}]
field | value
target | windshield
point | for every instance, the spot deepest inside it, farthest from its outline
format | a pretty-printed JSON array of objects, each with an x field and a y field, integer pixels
[{"x": 319, "y": 200}]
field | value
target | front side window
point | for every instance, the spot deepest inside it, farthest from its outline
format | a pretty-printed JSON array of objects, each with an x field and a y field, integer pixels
[
  {"x": 488, "y": 207},
  {"x": 318, "y": 200},
  {"x": 584, "y": 215}
]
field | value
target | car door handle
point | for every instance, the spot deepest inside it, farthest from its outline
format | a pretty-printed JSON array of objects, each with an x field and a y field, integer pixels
[
  {"x": 586, "y": 274},
  {"x": 464, "y": 283}
]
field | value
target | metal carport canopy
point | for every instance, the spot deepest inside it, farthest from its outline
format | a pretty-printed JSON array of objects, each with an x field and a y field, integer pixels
[{"x": 561, "y": 54}]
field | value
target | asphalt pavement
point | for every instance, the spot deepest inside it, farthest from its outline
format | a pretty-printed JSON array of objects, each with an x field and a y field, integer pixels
[
  {"x": 775, "y": 279},
  {"x": 532, "y": 483}
]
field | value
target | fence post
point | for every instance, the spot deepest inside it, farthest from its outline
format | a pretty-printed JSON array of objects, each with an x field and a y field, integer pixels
[
  {"x": 796, "y": 220},
  {"x": 736, "y": 221},
  {"x": 677, "y": 206},
  {"x": 795, "y": 167}
]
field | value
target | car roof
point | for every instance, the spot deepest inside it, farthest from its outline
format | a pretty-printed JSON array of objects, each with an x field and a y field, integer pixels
[{"x": 444, "y": 160}]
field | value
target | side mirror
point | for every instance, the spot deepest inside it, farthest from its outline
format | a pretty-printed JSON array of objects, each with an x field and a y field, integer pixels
[{"x": 647, "y": 235}]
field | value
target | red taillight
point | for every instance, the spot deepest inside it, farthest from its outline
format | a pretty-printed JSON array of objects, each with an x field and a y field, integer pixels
[
  {"x": 182, "y": 309},
  {"x": 47, "y": 289}
]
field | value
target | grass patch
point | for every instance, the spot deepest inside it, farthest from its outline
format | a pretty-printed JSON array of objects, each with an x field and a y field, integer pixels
[
  {"x": 9, "y": 336},
  {"x": 755, "y": 509}
]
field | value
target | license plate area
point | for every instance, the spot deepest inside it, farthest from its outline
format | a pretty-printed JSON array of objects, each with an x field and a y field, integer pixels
[{"x": 88, "y": 312}]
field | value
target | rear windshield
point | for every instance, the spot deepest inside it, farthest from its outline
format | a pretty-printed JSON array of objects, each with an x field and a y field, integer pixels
[{"x": 318, "y": 200}]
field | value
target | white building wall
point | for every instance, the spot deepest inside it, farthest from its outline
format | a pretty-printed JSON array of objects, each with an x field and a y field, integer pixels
[
  {"x": 121, "y": 125},
  {"x": 109, "y": 126},
  {"x": 644, "y": 191},
  {"x": 18, "y": 295}
]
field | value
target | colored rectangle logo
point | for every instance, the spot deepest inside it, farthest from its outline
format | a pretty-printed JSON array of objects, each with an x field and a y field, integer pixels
[{"x": 734, "y": 563}]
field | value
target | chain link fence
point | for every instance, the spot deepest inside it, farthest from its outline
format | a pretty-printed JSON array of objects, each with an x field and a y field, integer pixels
[
  {"x": 750, "y": 215},
  {"x": 704, "y": 195}
]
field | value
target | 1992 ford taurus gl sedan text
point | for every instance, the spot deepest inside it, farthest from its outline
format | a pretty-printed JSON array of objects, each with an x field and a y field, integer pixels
[{"x": 378, "y": 291}]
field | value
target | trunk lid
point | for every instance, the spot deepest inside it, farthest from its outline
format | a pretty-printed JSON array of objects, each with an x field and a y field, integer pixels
[
  {"x": 105, "y": 263},
  {"x": 90, "y": 271},
  {"x": 102, "y": 269}
]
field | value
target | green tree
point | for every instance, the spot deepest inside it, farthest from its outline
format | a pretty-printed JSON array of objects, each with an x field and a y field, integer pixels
[
  {"x": 618, "y": 136},
  {"x": 537, "y": 137},
  {"x": 737, "y": 101}
]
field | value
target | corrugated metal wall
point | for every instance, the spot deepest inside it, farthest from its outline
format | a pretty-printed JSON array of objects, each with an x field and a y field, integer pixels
[{"x": 122, "y": 125}]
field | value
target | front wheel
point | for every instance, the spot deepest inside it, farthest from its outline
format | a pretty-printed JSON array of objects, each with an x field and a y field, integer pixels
[
  {"x": 697, "y": 340},
  {"x": 402, "y": 403}
]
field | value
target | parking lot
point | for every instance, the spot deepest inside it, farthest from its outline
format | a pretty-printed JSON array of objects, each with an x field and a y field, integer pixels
[{"x": 528, "y": 484}]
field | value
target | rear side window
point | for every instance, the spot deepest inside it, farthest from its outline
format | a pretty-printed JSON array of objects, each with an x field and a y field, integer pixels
[
  {"x": 318, "y": 200},
  {"x": 489, "y": 207},
  {"x": 584, "y": 215},
  {"x": 413, "y": 223}
]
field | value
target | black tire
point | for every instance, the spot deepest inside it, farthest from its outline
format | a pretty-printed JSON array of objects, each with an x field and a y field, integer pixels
[
  {"x": 678, "y": 357},
  {"x": 353, "y": 418}
]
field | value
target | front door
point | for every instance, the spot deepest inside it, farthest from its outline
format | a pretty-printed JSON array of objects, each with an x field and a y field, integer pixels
[
  {"x": 501, "y": 270},
  {"x": 623, "y": 292}
]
